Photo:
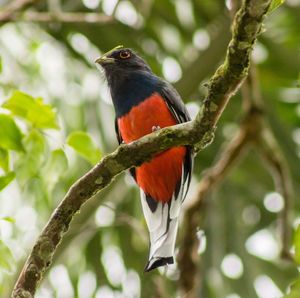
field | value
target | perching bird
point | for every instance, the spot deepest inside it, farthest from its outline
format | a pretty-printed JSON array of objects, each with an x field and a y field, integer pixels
[{"x": 144, "y": 103}]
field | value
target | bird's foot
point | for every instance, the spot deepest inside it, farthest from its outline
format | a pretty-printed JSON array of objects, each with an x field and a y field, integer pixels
[{"x": 155, "y": 128}]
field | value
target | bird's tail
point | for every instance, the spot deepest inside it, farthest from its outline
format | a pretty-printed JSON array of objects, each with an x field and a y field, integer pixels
[
  {"x": 162, "y": 247},
  {"x": 162, "y": 222}
]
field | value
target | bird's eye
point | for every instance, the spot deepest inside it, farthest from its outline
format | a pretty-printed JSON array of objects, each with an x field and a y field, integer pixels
[{"x": 125, "y": 54}]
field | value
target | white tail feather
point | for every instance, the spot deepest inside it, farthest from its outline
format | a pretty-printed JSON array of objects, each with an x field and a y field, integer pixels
[
  {"x": 162, "y": 222},
  {"x": 163, "y": 226}
]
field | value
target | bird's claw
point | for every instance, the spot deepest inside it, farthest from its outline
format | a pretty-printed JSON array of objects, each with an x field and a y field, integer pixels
[{"x": 155, "y": 128}]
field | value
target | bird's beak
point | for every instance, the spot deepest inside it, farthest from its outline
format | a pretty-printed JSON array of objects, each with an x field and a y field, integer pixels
[{"x": 104, "y": 60}]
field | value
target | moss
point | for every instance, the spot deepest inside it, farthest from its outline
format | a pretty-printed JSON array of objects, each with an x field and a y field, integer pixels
[{"x": 20, "y": 293}]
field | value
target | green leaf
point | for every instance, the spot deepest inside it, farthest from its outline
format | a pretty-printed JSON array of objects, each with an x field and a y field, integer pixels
[
  {"x": 29, "y": 163},
  {"x": 297, "y": 245},
  {"x": 5, "y": 180},
  {"x": 7, "y": 262},
  {"x": 1, "y": 66},
  {"x": 34, "y": 110},
  {"x": 55, "y": 167},
  {"x": 4, "y": 160},
  {"x": 83, "y": 144},
  {"x": 10, "y": 134},
  {"x": 275, "y": 4},
  {"x": 8, "y": 219}
]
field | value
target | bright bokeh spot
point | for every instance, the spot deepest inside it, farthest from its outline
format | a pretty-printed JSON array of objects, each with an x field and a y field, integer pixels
[
  {"x": 260, "y": 53},
  {"x": 290, "y": 95},
  {"x": 193, "y": 109},
  {"x": 232, "y": 266},
  {"x": 262, "y": 244},
  {"x": 266, "y": 288},
  {"x": 228, "y": 4},
  {"x": 91, "y": 4},
  {"x": 171, "y": 70},
  {"x": 79, "y": 43},
  {"x": 126, "y": 13},
  {"x": 61, "y": 282},
  {"x": 43, "y": 292},
  {"x": 170, "y": 37},
  {"x": 185, "y": 12},
  {"x": 201, "y": 39},
  {"x": 131, "y": 285},
  {"x": 87, "y": 285},
  {"x": 202, "y": 241},
  {"x": 105, "y": 291},
  {"x": 273, "y": 202},
  {"x": 108, "y": 6},
  {"x": 104, "y": 216},
  {"x": 115, "y": 270}
]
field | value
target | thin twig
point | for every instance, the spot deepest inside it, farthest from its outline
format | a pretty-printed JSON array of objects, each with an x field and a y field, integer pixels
[
  {"x": 58, "y": 17},
  {"x": 271, "y": 153},
  {"x": 221, "y": 87},
  {"x": 12, "y": 7}
]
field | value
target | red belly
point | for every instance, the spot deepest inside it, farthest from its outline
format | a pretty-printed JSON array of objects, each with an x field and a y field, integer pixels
[{"x": 159, "y": 177}]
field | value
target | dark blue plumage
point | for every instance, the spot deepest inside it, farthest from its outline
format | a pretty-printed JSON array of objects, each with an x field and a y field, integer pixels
[{"x": 132, "y": 90}]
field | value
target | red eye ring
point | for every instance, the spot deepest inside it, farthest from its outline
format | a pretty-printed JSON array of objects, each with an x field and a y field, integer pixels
[{"x": 125, "y": 54}]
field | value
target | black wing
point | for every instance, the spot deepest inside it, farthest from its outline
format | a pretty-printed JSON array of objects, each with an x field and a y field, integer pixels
[
  {"x": 119, "y": 137},
  {"x": 175, "y": 103},
  {"x": 180, "y": 113},
  {"x": 120, "y": 141}
]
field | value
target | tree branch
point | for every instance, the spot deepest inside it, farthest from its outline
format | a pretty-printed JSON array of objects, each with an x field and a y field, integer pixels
[
  {"x": 222, "y": 86},
  {"x": 12, "y": 7},
  {"x": 58, "y": 17},
  {"x": 188, "y": 258},
  {"x": 271, "y": 153},
  {"x": 253, "y": 129}
]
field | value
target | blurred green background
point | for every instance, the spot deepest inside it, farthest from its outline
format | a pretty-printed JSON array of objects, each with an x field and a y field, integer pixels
[{"x": 61, "y": 121}]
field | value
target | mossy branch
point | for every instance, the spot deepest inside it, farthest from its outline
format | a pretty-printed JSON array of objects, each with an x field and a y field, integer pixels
[{"x": 221, "y": 87}]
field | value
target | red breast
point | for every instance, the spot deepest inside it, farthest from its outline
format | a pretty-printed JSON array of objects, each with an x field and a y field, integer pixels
[{"x": 159, "y": 177}]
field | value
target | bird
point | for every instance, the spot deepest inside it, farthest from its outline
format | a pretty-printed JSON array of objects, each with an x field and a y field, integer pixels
[{"x": 144, "y": 103}]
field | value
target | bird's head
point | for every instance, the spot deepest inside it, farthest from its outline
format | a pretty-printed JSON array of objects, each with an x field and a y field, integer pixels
[{"x": 121, "y": 60}]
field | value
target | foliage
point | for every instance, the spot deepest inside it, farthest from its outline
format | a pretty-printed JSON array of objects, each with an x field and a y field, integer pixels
[
  {"x": 275, "y": 4},
  {"x": 37, "y": 113},
  {"x": 6, "y": 260},
  {"x": 84, "y": 145},
  {"x": 294, "y": 290},
  {"x": 26, "y": 154}
]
